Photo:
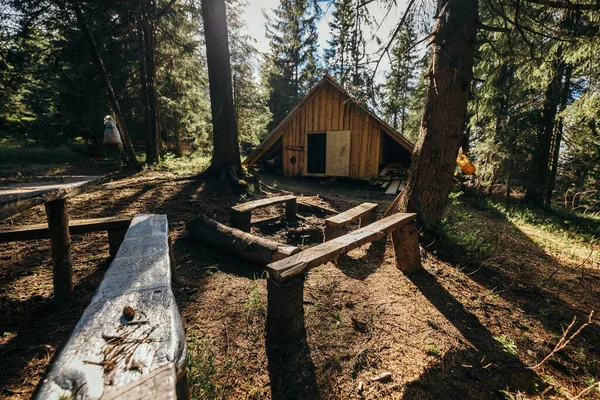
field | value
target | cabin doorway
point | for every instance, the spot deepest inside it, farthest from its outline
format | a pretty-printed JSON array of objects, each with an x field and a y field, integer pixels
[
  {"x": 328, "y": 153},
  {"x": 316, "y": 153}
]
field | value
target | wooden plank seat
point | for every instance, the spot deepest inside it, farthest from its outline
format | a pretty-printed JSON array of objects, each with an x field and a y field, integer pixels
[
  {"x": 285, "y": 283},
  {"x": 115, "y": 226},
  {"x": 241, "y": 214},
  {"x": 131, "y": 329},
  {"x": 339, "y": 224}
]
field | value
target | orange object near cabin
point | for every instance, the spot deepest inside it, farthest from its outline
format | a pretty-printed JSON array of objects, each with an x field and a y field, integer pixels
[{"x": 465, "y": 164}]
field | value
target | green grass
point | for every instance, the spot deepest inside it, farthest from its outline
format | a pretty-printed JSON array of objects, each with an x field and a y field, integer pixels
[
  {"x": 187, "y": 165},
  {"x": 13, "y": 154},
  {"x": 255, "y": 305},
  {"x": 201, "y": 368}
]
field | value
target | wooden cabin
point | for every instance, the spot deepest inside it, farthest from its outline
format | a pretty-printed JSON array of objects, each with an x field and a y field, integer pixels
[{"x": 329, "y": 133}]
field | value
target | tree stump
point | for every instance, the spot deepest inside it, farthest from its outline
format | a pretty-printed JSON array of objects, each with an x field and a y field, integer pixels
[
  {"x": 285, "y": 310},
  {"x": 406, "y": 248},
  {"x": 60, "y": 242}
]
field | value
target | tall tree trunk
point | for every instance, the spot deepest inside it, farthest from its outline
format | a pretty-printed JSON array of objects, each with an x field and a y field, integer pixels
[
  {"x": 566, "y": 88},
  {"x": 112, "y": 98},
  {"x": 444, "y": 115},
  {"x": 539, "y": 173},
  {"x": 178, "y": 146},
  {"x": 226, "y": 153},
  {"x": 144, "y": 84},
  {"x": 152, "y": 151}
]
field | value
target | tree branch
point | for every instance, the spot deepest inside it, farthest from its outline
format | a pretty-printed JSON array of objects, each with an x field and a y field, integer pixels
[
  {"x": 159, "y": 14},
  {"x": 567, "y": 5}
]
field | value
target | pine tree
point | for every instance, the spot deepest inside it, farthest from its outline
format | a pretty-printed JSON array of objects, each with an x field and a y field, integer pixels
[
  {"x": 250, "y": 97},
  {"x": 292, "y": 65},
  {"x": 401, "y": 82},
  {"x": 347, "y": 56}
]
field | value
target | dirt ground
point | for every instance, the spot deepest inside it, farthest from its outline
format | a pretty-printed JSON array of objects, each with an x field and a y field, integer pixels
[{"x": 466, "y": 327}]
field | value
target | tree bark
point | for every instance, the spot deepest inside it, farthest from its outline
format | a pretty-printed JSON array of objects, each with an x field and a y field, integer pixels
[
  {"x": 558, "y": 134},
  {"x": 443, "y": 121},
  {"x": 226, "y": 152},
  {"x": 144, "y": 84},
  {"x": 252, "y": 248},
  {"x": 112, "y": 98},
  {"x": 539, "y": 175},
  {"x": 152, "y": 142}
]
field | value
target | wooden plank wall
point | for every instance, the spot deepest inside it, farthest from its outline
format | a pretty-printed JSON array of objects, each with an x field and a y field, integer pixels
[{"x": 326, "y": 111}]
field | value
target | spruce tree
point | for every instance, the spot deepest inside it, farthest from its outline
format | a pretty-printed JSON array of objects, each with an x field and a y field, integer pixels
[
  {"x": 347, "y": 55},
  {"x": 292, "y": 66},
  {"x": 401, "y": 82}
]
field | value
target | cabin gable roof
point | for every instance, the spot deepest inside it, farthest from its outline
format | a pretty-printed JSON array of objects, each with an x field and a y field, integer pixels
[{"x": 276, "y": 134}]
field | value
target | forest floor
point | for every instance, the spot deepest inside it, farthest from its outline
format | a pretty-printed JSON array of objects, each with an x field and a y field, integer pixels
[{"x": 498, "y": 290}]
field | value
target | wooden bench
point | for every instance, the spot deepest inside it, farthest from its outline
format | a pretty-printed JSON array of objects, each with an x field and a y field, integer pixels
[
  {"x": 338, "y": 225},
  {"x": 130, "y": 338},
  {"x": 241, "y": 214},
  {"x": 285, "y": 283},
  {"x": 115, "y": 226}
]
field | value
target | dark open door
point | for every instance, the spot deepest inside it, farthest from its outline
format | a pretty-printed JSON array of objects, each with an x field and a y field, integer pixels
[{"x": 317, "y": 153}]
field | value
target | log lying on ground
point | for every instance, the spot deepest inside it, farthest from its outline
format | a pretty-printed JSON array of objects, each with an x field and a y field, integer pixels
[{"x": 252, "y": 248}]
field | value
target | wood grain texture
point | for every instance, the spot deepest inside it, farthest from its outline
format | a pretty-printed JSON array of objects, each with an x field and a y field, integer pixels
[
  {"x": 338, "y": 153},
  {"x": 15, "y": 199},
  {"x": 269, "y": 201},
  {"x": 338, "y": 225},
  {"x": 106, "y": 351},
  {"x": 328, "y": 251},
  {"x": 157, "y": 385},
  {"x": 352, "y": 214}
]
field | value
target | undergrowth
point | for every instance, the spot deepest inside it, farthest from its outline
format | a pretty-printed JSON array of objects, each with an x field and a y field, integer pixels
[
  {"x": 187, "y": 165},
  {"x": 201, "y": 368},
  {"x": 470, "y": 237}
]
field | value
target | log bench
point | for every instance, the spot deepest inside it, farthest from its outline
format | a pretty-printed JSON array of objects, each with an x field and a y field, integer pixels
[
  {"x": 115, "y": 226},
  {"x": 241, "y": 214},
  {"x": 129, "y": 342},
  {"x": 338, "y": 225},
  {"x": 285, "y": 283}
]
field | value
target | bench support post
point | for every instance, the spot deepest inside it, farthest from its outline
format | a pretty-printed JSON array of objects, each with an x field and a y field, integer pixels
[
  {"x": 369, "y": 218},
  {"x": 60, "y": 239},
  {"x": 285, "y": 310},
  {"x": 406, "y": 248},
  {"x": 333, "y": 231},
  {"x": 115, "y": 238},
  {"x": 240, "y": 221},
  {"x": 291, "y": 209}
]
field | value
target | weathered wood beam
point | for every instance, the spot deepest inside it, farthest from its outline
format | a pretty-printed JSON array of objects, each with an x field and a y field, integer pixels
[
  {"x": 131, "y": 328},
  {"x": 76, "y": 227},
  {"x": 338, "y": 225}
]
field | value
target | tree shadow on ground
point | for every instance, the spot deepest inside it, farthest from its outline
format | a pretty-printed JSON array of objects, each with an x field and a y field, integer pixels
[
  {"x": 38, "y": 325},
  {"x": 486, "y": 365},
  {"x": 363, "y": 267},
  {"x": 514, "y": 279},
  {"x": 292, "y": 372}
]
